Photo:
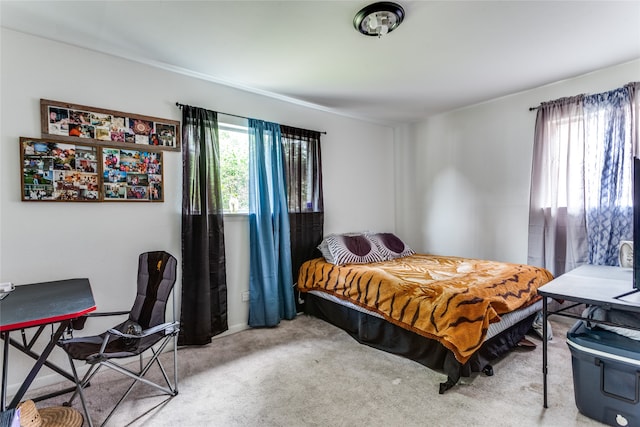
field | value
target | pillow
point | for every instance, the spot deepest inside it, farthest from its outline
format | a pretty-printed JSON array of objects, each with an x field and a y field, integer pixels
[
  {"x": 341, "y": 249},
  {"x": 389, "y": 245}
]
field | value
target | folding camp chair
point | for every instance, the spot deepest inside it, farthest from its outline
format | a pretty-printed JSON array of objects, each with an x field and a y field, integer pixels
[{"x": 145, "y": 329}]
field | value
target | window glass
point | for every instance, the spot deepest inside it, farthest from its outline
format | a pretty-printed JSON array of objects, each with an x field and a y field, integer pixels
[
  {"x": 566, "y": 170},
  {"x": 234, "y": 164}
]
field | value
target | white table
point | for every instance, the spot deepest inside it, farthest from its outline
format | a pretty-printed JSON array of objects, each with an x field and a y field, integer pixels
[{"x": 597, "y": 285}]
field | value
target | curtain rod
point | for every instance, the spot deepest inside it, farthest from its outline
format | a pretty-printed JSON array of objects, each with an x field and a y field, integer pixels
[
  {"x": 628, "y": 84},
  {"x": 179, "y": 105}
]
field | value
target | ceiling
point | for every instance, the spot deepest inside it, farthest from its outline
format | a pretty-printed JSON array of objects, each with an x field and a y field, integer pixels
[{"x": 445, "y": 55}]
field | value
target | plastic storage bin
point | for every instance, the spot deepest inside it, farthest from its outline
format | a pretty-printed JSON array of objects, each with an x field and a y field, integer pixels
[{"x": 606, "y": 375}]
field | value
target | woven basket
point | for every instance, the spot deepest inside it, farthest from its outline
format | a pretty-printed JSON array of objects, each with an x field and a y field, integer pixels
[{"x": 54, "y": 416}]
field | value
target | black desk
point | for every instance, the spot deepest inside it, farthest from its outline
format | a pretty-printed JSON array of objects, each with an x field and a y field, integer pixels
[
  {"x": 603, "y": 286},
  {"x": 39, "y": 305}
]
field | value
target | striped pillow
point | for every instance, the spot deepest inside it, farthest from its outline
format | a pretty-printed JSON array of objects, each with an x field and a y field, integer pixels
[
  {"x": 342, "y": 249},
  {"x": 389, "y": 245}
]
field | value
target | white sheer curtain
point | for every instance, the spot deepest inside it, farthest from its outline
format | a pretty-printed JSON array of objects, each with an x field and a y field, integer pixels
[
  {"x": 557, "y": 227},
  {"x": 580, "y": 206}
]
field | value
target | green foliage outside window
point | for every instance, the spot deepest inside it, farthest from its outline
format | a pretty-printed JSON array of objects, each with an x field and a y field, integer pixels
[{"x": 234, "y": 174}]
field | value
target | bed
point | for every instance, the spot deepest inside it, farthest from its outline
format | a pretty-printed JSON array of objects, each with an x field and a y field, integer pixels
[{"x": 451, "y": 314}]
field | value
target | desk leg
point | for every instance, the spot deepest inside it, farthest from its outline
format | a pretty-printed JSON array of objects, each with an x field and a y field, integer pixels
[
  {"x": 35, "y": 356},
  {"x": 36, "y": 368},
  {"x": 5, "y": 368},
  {"x": 544, "y": 351}
]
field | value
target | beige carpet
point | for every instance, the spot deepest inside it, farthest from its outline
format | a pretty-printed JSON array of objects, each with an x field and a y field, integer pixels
[{"x": 307, "y": 372}]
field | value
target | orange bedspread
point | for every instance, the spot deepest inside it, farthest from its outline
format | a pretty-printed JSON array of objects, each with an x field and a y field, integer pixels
[{"x": 449, "y": 299}]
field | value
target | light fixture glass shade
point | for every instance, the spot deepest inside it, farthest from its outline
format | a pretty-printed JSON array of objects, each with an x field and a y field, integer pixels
[
  {"x": 373, "y": 21},
  {"x": 379, "y": 18}
]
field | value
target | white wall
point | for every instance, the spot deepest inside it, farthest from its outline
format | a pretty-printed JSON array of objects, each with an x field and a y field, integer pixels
[
  {"x": 47, "y": 241},
  {"x": 469, "y": 171}
]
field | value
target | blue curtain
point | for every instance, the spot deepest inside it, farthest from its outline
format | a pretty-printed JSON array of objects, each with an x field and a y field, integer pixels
[
  {"x": 608, "y": 173},
  {"x": 270, "y": 280}
]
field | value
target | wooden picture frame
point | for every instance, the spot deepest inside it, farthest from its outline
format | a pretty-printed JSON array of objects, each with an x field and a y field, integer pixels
[
  {"x": 62, "y": 171},
  {"x": 59, "y": 171},
  {"x": 91, "y": 125},
  {"x": 132, "y": 175}
]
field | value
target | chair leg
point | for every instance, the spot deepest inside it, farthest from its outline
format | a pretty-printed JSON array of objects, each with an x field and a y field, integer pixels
[
  {"x": 79, "y": 386},
  {"x": 175, "y": 362},
  {"x": 124, "y": 396},
  {"x": 173, "y": 388},
  {"x": 170, "y": 389},
  {"x": 84, "y": 383},
  {"x": 138, "y": 377}
]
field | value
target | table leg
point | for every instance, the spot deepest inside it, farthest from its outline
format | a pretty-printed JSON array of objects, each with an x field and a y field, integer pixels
[
  {"x": 544, "y": 350},
  {"x": 5, "y": 368},
  {"x": 36, "y": 368},
  {"x": 35, "y": 356}
]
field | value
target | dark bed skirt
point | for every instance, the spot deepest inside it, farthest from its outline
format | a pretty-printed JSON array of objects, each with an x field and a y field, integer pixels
[{"x": 378, "y": 333}]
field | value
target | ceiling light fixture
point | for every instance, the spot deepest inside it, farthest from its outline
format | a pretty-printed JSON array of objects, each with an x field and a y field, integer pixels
[{"x": 378, "y": 19}]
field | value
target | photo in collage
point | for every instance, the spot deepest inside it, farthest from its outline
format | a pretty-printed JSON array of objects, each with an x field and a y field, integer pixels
[
  {"x": 58, "y": 171},
  {"x": 132, "y": 175},
  {"x": 109, "y": 127}
]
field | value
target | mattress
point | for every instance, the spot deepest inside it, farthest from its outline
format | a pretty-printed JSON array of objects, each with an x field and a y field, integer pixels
[{"x": 507, "y": 320}]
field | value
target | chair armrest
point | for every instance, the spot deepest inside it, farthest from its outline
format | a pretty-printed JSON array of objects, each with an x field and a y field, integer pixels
[
  {"x": 122, "y": 334},
  {"x": 169, "y": 326},
  {"x": 106, "y": 313},
  {"x": 78, "y": 323}
]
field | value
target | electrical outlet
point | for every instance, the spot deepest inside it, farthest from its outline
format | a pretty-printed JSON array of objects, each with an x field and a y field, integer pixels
[{"x": 245, "y": 296}]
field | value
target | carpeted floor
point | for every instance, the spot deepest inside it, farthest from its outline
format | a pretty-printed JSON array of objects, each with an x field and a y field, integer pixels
[{"x": 307, "y": 372}]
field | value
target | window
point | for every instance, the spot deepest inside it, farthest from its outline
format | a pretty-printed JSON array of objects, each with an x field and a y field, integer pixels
[
  {"x": 565, "y": 170},
  {"x": 301, "y": 153},
  {"x": 234, "y": 164},
  {"x": 608, "y": 156},
  {"x": 581, "y": 198},
  {"x": 581, "y": 155}
]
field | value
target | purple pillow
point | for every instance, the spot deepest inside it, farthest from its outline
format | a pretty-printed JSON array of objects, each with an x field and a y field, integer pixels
[
  {"x": 389, "y": 245},
  {"x": 341, "y": 249}
]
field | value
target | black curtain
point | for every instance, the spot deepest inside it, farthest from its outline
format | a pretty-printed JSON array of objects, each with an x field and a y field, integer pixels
[
  {"x": 303, "y": 168},
  {"x": 204, "y": 284}
]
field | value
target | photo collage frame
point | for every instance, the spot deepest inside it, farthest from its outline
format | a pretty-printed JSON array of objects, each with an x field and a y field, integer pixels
[
  {"x": 89, "y": 154},
  {"x": 58, "y": 171},
  {"x": 64, "y": 121},
  {"x": 132, "y": 174},
  {"x": 63, "y": 171}
]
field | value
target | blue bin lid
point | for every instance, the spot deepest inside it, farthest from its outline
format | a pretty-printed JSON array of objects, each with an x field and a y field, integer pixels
[{"x": 604, "y": 341}]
